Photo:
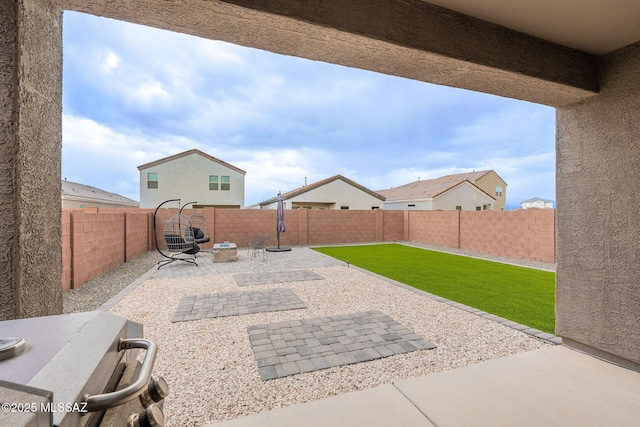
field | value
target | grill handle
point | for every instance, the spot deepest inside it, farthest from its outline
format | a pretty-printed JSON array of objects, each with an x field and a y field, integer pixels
[{"x": 100, "y": 402}]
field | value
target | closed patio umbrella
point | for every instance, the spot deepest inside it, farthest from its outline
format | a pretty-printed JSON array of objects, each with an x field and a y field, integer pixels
[{"x": 280, "y": 227}]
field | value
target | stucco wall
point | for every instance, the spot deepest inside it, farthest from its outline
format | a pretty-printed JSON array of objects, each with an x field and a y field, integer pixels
[
  {"x": 333, "y": 195},
  {"x": 418, "y": 205},
  {"x": 412, "y": 39},
  {"x": 466, "y": 196},
  {"x": 187, "y": 178},
  {"x": 488, "y": 183},
  {"x": 30, "y": 156},
  {"x": 598, "y": 159},
  {"x": 8, "y": 150}
]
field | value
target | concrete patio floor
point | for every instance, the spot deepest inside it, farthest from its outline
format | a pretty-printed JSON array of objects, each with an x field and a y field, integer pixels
[{"x": 554, "y": 386}]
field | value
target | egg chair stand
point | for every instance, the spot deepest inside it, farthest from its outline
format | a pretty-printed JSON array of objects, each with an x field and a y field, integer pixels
[
  {"x": 200, "y": 228},
  {"x": 179, "y": 239}
]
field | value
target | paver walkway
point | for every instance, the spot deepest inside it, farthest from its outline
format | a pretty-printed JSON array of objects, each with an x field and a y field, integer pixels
[
  {"x": 297, "y": 259},
  {"x": 271, "y": 277},
  {"x": 196, "y": 307},
  {"x": 288, "y": 348}
]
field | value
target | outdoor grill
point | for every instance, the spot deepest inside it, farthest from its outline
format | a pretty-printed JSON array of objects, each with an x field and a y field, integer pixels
[{"x": 78, "y": 370}]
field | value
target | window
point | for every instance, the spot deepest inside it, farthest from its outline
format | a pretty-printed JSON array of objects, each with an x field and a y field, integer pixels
[
  {"x": 375, "y": 207},
  {"x": 213, "y": 182},
  {"x": 458, "y": 208},
  {"x": 344, "y": 208},
  {"x": 498, "y": 191},
  {"x": 152, "y": 180},
  {"x": 225, "y": 183},
  {"x": 478, "y": 208}
]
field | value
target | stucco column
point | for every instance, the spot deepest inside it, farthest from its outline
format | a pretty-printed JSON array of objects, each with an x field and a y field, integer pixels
[
  {"x": 30, "y": 153},
  {"x": 598, "y": 229}
]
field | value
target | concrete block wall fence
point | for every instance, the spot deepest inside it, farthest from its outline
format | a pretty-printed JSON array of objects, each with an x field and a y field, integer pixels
[
  {"x": 523, "y": 234},
  {"x": 96, "y": 240},
  {"x": 434, "y": 227}
]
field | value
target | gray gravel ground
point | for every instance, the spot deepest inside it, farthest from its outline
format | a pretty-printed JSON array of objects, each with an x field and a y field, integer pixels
[{"x": 99, "y": 290}]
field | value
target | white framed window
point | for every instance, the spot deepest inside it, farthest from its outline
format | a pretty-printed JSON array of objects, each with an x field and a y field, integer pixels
[
  {"x": 152, "y": 180},
  {"x": 225, "y": 183},
  {"x": 498, "y": 191},
  {"x": 214, "y": 182}
]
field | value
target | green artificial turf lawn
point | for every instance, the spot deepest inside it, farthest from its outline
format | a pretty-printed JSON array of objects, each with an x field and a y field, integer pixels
[{"x": 524, "y": 295}]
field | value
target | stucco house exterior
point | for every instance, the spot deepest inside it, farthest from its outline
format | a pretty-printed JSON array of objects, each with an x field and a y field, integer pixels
[
  {"x": 482, "y": 190},
  {"x": 76, "y": 195},
  {"x": 191, "y": 176},
  {"x": 536, "y": 203},
  {"x": 334, "y": 193}
]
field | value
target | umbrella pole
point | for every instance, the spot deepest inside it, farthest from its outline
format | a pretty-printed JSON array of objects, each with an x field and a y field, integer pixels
[{"x": 278, "y": 220}]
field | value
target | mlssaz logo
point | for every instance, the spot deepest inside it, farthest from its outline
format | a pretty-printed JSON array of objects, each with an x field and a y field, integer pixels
[{"x": 63, "y": 407}]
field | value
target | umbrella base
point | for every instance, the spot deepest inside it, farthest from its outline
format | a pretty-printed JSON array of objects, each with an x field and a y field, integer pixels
[{"x": 278, "y": 249}]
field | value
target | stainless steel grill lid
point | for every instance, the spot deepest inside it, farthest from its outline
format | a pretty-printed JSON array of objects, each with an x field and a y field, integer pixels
[{"x": 11, "y": 347}]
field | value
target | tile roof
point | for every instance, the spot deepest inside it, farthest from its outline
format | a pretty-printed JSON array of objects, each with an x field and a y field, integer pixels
[
  {"x": 82, "y": 191},
  {"x": 430, "y": 188},
  {"x": 187, "y": 153},
  {"x": 301, "y": 190}
]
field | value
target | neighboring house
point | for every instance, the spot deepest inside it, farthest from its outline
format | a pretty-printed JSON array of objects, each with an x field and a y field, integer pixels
[
  {"x": 191, "y": 176},
  {"x": 76, "y": 195},
  {"x": 536, "y": 203},
  {"x": 483, "y": 190},
  {"x": 333, "y": 193}
]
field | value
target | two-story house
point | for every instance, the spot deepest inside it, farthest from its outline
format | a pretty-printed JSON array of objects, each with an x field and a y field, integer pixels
[
  {"x": 191, "y": 176},
  {"x": 482, "y": 190}
]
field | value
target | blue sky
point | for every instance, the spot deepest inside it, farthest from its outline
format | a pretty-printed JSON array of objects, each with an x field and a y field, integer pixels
[{"x": 134, "y": 94}]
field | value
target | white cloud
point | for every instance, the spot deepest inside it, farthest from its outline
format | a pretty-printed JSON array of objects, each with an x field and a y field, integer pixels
[
  {"x": 95, "y": 154},
  {"x": 280, "y": 170},
  {"x": 151, "y": 92},
  {"x": 109, "y": 63}
]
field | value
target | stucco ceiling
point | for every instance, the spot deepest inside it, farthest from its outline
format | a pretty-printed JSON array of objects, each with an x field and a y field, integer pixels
[{"x": 593, "y": 26}]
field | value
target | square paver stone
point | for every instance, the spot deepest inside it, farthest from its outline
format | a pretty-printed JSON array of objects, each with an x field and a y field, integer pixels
[
  {"x": 292, "y": 347},
  {"x": 196, "y": 307},
  {"x": 270, "y": 277}
]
